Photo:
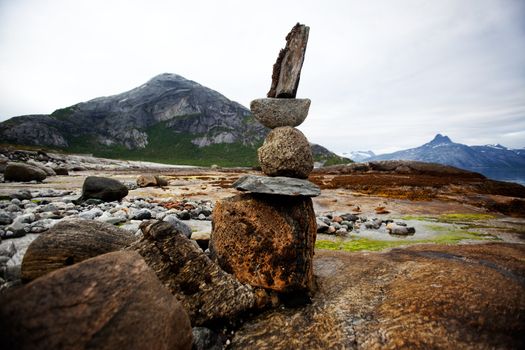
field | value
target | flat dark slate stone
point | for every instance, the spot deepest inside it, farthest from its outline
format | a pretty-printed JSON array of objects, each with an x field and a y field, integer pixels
[{"x": 287, "y": 186}]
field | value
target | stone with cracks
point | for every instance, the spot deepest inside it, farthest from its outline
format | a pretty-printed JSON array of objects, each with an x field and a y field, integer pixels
[
  {"x": 276, "y": 112},
  {"x": 70, "y": 242},
  {"x": 112, "y": 301},
  {"x": 206, "y": 291},
  {"x": 286, "y": 152},
  {"x": 286, "y": 186},
  {"x": 266, "y": 240}
]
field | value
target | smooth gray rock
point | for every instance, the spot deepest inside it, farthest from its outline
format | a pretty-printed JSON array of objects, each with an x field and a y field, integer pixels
[
  {"x": 12, "y": 208},
  {"x": 91, "y": 214},
  {"x": 5, "y": 218},
  {"x": 287, "y": 186},
  {"x": 395, "y": 229},
  {"x": 178, "y": 225},
  {"x": 21, "y": 194},
  {"x": 142, "y": 214},
  {"x": 276, "y": 112}
]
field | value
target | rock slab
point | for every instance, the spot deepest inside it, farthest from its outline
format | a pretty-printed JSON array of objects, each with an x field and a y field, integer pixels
[
  {"x": 204, "y": 289},
  {"x": 266, "y": 240},
  {"x": 113, "y": 301},
  {"x": 70, "y": 242},
  {"x": 277, "y": 112},
  {"x": 103, "y": 188},
  {"x": 280, "y": 185},
  {"x": 286, "y": 152}
]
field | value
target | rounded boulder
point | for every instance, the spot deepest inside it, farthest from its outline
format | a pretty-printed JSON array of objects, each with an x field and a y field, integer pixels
[
  {"x": 23, "y": 172},
  {"x": 286, "y": 152}
]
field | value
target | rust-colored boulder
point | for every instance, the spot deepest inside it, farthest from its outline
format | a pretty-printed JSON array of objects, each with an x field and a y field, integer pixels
[
  {"x": 113, "y": 301},
  {"x": 266, "y": 240},
  {"x": 70, "y": 242},
  {"x": 204, "y": 289},
  {"x": 151, "y": 181},
  {"x": 286, "y": 152}
]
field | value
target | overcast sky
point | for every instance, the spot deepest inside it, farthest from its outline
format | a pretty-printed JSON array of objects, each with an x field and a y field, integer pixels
[{"x": 382, "y": 75}]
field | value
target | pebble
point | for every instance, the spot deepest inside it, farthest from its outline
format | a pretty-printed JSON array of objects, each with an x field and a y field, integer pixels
[
  {"x": 21, "y": 194},
  {"x": 142, "y": 214},
  {"x": 5, "y": 218},
  {"x": 342, "y": 224},
  {"x": 91, "y": 214},
  {"x": 13, "y": 208},
  {"x": 178, "y": 224}
]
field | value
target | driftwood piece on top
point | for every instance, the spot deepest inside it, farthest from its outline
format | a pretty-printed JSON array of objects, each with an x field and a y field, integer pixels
[{"x": 287, "y": 68}]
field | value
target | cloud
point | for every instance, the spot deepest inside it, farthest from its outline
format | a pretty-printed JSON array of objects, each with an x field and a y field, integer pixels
[{"x": 382, "y": 75}]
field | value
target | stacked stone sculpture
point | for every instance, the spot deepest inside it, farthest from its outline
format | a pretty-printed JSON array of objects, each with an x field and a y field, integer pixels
[{"x": 266, "y": 237}]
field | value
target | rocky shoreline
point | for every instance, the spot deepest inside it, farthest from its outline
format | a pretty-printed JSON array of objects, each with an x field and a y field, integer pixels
[{"x": 186, "y": 202}]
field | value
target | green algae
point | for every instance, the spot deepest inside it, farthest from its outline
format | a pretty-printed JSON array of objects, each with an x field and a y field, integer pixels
[
  {"x": 450, "y": 218},
  {"x": 446, "y": 234}
]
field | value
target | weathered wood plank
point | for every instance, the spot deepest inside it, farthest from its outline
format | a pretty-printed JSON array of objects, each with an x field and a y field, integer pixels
[{"x": 287, "y": 68}]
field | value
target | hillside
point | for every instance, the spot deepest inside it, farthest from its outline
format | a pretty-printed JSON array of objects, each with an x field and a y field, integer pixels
[{"x": 169, "y": 119}]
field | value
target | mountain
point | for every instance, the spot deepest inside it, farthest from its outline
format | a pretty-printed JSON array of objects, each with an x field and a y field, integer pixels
[
  {"x": 359, "y": 156},
  {"x": 168, "y": 119},
  {"x": 324, "y": 157},
  {"x": 443, "y": 151}
]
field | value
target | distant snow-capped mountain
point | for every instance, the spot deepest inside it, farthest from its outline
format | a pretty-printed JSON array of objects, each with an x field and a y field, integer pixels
[
  {"x": 359, "y": 156},
  {"x": 442, "y": 150}
]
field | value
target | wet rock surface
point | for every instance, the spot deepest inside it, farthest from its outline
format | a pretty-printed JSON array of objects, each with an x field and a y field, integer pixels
[
  {"x": 416, "y": 298},
  {"x": 278, "y": 185},
  {"x": 97, "y": 303},
  {"x": 266, "y": 241}
]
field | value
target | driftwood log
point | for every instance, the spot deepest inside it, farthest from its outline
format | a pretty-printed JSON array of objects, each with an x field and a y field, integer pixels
[
  {"x": 287, "y": 68},
  {"x": 206, "y": 291}
]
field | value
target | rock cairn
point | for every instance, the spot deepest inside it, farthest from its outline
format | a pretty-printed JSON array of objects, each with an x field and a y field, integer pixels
[{"x": 266, "y": 237}]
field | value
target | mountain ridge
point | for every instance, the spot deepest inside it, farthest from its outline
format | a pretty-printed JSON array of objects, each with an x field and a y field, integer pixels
[
  {"x": 168, "y": 119},
  {"x": 443, "y": 150}
]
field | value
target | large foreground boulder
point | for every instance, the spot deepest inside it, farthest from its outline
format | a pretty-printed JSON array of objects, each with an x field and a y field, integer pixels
[
  {"x": 207, "y": 292},
  {"x": 113, "y": 301},
  {"x": 103, "y": 188},
  {"x": 70, "y": 242},
  {"x": 266, "y": 240},
  {"x": 23, "y": 172}
]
